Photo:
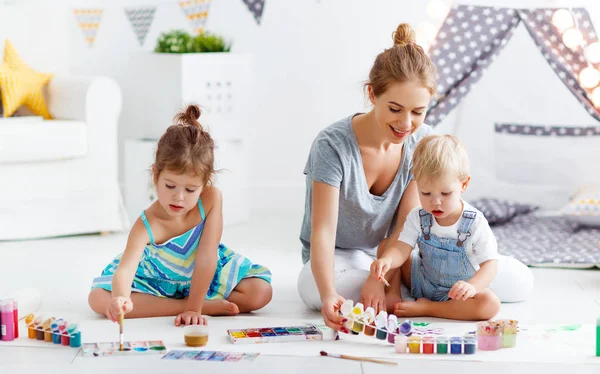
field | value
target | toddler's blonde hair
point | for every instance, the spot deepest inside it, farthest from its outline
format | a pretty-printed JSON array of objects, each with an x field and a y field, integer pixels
[{"x": 437, "y": 155}]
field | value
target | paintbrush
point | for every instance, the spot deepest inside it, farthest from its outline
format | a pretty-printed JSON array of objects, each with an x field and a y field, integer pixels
[
  {"x": 382, "y": 279},
  {"x": 346, "y": 357},
  {"x": 121, "y": 319}
]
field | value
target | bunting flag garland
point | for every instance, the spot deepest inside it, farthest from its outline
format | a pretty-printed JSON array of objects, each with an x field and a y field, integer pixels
[
  {"x": 141, "y": 19},
  {"x": 256, "y": 7},
  {"x": 88, "y": 21},
  {"x": 197, "y": 12}
]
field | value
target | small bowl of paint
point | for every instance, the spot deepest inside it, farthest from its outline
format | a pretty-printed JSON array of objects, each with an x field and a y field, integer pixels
[{"x": 195, "y": 335}]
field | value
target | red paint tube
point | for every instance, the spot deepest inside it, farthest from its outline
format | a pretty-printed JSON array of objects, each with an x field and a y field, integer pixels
[{"x": 16, "y": 317}]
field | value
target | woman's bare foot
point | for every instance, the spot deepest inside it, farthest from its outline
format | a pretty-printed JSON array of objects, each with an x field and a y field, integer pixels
[
  {"x": 220, "y": 308},
  {"x": 417, "y": 308}
]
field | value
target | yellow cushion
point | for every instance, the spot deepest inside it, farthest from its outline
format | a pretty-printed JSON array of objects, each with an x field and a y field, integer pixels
[{"x": 21, "y": 85}]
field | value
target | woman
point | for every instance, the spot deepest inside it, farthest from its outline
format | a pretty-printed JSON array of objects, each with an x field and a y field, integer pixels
[{"x": 359, "y": 189}]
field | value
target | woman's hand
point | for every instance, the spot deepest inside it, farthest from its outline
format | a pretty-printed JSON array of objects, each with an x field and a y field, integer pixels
[
  {"x": 190, "y": 317},
  {"x": 118, "y": 305},
  {"x": 373, "y": 294},
  {"x": 330, "y": 311}
]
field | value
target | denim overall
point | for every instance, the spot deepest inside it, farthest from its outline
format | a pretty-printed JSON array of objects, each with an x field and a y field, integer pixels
[{"x": 438, "y": 263}]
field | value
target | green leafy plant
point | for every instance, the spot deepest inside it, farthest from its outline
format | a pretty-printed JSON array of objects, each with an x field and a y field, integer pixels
[{"x": 180, "y": 41}]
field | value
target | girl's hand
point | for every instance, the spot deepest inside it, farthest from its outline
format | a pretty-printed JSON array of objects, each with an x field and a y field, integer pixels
[
  {"x": 189, "y": 317},
  {"x": 462, "y": 291},
  {"x": 330, "y": 311},
  {"x": 118, "y": 305}
]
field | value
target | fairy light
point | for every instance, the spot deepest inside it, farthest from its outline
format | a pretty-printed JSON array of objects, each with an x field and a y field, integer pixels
[{"x": 589, "y": 77}]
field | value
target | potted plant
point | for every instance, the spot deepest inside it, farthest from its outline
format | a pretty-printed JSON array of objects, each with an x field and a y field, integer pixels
[{"x": 184, "y": 68}]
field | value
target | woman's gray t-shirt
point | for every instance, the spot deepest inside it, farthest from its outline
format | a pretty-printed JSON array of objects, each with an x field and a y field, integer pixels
[{"x": 364, "y": 219}]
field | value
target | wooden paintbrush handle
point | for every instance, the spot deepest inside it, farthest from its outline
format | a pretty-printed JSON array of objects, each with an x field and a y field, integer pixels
[{"x": 368, "y": 360}]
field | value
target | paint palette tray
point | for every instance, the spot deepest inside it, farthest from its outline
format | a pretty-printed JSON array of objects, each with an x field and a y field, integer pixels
[
  {"x": 282, "y": 334},
  {"x": 209, "y": 356},
  {"x": 153, "y": 347}
]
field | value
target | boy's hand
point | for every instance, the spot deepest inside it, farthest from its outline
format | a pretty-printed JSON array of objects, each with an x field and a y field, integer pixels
[
  {"x": 380, "y": 267},
  {"x": 462, "y": 291},
  {"x": 190, "y": 317},
  {"x": 118, "y": 305}
]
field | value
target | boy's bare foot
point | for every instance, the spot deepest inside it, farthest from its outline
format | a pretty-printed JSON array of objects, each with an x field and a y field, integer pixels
[
  {"x": 417, "y": 308},
  {"x": 220, "y": 308},
  {"x": 391, "y": 299}
]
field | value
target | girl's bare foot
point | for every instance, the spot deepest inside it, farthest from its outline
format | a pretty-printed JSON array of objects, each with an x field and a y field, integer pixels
[
  {"x": 220, "y": 308},
  {"x": 417, "y": 308}
]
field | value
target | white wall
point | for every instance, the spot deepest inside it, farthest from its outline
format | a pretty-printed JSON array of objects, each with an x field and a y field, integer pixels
[{"x": 311, "y": 58}]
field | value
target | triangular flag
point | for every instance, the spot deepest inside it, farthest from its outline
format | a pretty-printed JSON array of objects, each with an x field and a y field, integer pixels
[
  {"x": 88, "y": 21},
  {"x": 256, "y": 7},
  {"x": 141, "y": 18},
  {"x": 197, "y": 12}
]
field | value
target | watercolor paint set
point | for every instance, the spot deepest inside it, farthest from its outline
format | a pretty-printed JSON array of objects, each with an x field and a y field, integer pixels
[
  {"x": 490, "y": 335},
  {"x": 53, "y": 330},
  {"x": 153, "y": 347},
  {"x": 9, "y": 320},
  {"x": 282, "y": 334},
  {"x": 382, "y": 326},
  {"x": 209, "y": 356}
]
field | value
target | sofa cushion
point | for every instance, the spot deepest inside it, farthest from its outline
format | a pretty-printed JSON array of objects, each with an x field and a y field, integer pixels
[
  {"x": 28, "y": 139},
  {"x": 21, "y": 85}
]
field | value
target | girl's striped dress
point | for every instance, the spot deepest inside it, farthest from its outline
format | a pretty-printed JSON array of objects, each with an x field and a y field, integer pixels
[{"x": 165, "y": 270}]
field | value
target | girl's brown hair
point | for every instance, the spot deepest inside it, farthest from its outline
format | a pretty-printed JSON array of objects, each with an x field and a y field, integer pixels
[
  {"x": 405, "y": 61},
  {"x": 186, "y": 147}
]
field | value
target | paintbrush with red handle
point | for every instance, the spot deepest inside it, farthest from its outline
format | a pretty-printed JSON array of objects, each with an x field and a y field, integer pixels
[{"x": 355, "y": 358}]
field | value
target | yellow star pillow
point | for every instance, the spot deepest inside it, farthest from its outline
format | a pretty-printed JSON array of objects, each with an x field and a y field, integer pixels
[{"x": 21, "y": 85}]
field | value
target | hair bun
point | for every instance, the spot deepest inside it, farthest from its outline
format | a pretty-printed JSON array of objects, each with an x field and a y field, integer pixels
[
  {"x": 193, "y": 112},
  {"x": 403, "y": 35}
]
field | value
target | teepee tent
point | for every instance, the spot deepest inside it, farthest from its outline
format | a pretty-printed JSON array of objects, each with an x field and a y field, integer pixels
[{"x": 508, "y": 86}]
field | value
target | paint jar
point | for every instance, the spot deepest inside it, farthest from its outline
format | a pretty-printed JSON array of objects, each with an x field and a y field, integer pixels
[
  {"x": 406, "y": 327},
  {"x": 346, "y": 310},
  {"x": 48, "y": 336},
  {"x": 30, "y": 326},
  {"x": 428, "y": 344},
  {"x": 469, "y": 344},
  {"x": 598, "y": 337},
  {"x": 7, "y": 322},
  {"x": 370, "y": 321},
  {"x": 414, "y": 344},
  {"x": 441, "y": 345},
  {"x": 357, "y": 315},
  {"x": 380, "y": 322},
  {"x": 195, "y": 335},
  {"x": 39, "y": 333},
  {"x": 509, "y": 333},
  {"x": 489, "y": 336},
  {"x": 456, "y": 345},
  {"x": 55, "y": 337},
  {"x": 400, "y": 342},
  {"x": 65, "y": 340},
  {"x": 392, "y": 328},
  {"x": 75, "y": 339}
]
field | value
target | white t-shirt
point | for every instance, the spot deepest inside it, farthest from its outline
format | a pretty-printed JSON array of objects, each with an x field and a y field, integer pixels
[{"x": 481, "y": 246}]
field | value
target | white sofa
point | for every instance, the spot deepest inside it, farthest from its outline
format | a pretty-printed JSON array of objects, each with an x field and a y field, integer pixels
[{"x": 60, "y": 177}]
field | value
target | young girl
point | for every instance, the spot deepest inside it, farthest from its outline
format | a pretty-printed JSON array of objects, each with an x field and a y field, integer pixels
[
  {"x": 173, "y": 263},
  {"x": 456, "y": 257}
]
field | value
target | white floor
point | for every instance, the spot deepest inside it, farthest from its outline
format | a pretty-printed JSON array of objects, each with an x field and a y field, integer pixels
[{"x": 63, "y": 268}]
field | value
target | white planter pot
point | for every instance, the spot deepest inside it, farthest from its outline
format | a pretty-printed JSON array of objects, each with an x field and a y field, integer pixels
[{"x": 160, "y": 84}]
